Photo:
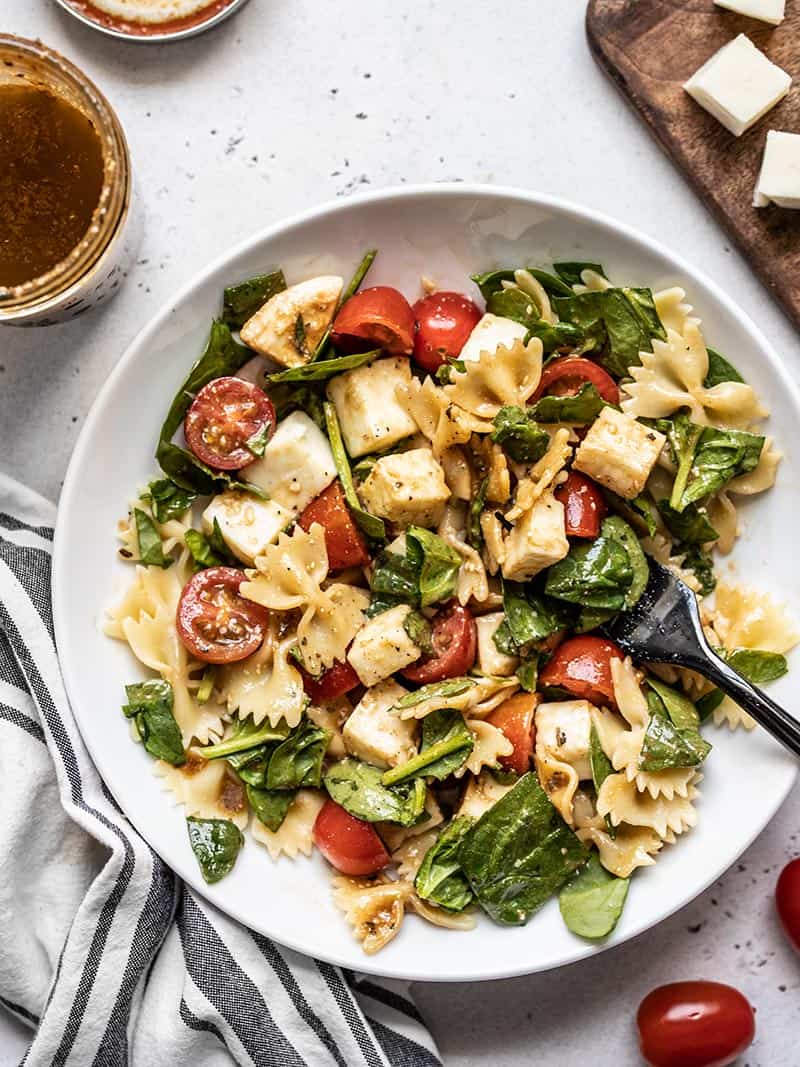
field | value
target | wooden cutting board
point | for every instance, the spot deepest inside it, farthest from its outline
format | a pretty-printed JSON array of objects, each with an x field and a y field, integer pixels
[{"x": 650, "y": 48}]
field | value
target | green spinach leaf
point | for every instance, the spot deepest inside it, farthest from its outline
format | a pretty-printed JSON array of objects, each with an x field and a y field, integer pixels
[
  {"x": 514, "y": 304},
  {"x": 476, "y": 506},
  {"x": 528, "y": 672},
  {"x": 570, "y": 272},
  {"x": 702, "y": 565},
  {"x": 592, "y": 903},
  {"x": 644, "y": 306},
  {"x": 597, "y": 575},
  {"x": 690, "y": 526},
  {"x": 719, "y": 370},
  {"x": 440, "y": 879},
  {"x": 371, "y": 525},
  {"x": 611, "y": 320},
  {"x": 600, "y": 763},
  {"x": 270, "y": 806},
  {"x": 756, "y": 665},
  {"x": 665, "y": 746},
  {"x": 677, "y": 705},
  {"x": 168, "y": 500},
  {"x": 582, "y": 408},
  {"x": 425, "y": 575},
  {"x": 216, "y": 844},
  {"x": 419, "y": 631},
  {"x": 297, "y": 761},
  {"x": 720, "y": 456},
  {"x": 150, "y": 705},
  {"x": 446, "y": 743},
  {"x": 616, "y": 527},
  {"x": 246, "y": 735},
  {"x": 521, "y": 437},
  {"x": 241, "y": 301},
  {"x": 450, "y": 687},
  {"x": 529, "y": 619},
  {"x": 358, "y": 788},
  {"x": 352, "y": 287},
  {"x": 209, "y": 550},
  {"x": 151, "y": 551},
  {"x": 323, "y": 369},
  {"x": 491, "y": 281}
]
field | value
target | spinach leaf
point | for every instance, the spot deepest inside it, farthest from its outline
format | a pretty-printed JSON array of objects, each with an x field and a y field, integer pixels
[
  {"x": 476, "y": 506},
  {"x": 611, "y": 320},
  {"x": 241, "y": 301},
  {"x": 492, "y": 281},
  {"x": 352, "y": 286},
  {"x": 370, "y": 524},
  {"x": 709, "y": 703},
  {"x": 756, "y": 665},
  {"x": 440, "y": 879},
  {"x": 582, "y": 408},
  {"x": 150, "y": 705},
  {"x": 591, "y": 618},
  {"x": 209, "y": 550},
  {"x": 557, "y": 336},
  {"x": 665, "y": 746},
  {"x": 168, "y": 500},
  {"x": 528, "y": 672},
  {"x": 246, "y": 735},
  {"x": 644, "y": 306},
  {"x": 151, "y": 551},
  {"x": 719, "y": 370},
  {"x": 640, "y": 512},
  {"x": 446, "y": 742},
  {"x": 600, "y": 763},
  {"x": 690, "y": 526},
  {"x": 597, "y": 575},
  {"x": 551, "y": 284},
  {"x": 358, "y": 788},
  {"x": 519, "y": 434},
  {"x": 519, "y": 853},
  {"x": 323, "y": 369},
  {"x": 570, "y": 272},
  {"x": 702, "y": 565},
  {"x": 592, "y": 903},
  {"x": 529, "y": 619},
  {"x": 216, "y": 844},
  {"x": 444, "y": 374},
  {"x": 616, "y": 527},
  {"x": 514, "y": 304},
  {"x": 296, "y": 396},
  {"x": 420, "y": 631},
  {"x": 270, "y": 805},
  {"x": 297, "y": 761},
  {"x": 720, "y": 456},
  {"x": 450, "y": 687},
  {"x": 425, "y": 575},
  {"x": 679, "y": 707}
]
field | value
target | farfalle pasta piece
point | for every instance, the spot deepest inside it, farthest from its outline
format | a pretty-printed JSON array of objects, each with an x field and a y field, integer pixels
[
  {"x": 490, "y": 744},
  {"x": 472, "y": 582},
  {"x": 289, "y": 573},
  {"x": 507, "y": 376},
  {"x": 295, "y": 834},
  {"x": 558, "y": 779},
  {"x": 444, "y": 425},
  {"x": 448, "y": 920},
  {"x": 374, "y": 910},
  {"x": 331, "y": 717},
  {"x": 205, "y": 788},
  {"x": 622, "y": 802},
  {"x": 494, "y": 548},
  {"x": 628, "y": 693},
  {"x": 539, "y": 478},
  {"x": 324, "y": 637},
  {"x": 631, "y": 847},
  {"x": 493, "y": 466},
  {"x": 673, "y": 311},
  {"x": 409, "y": 856},
  {"x": 479, "y": 699},
  {"x": 266, "y": 685}
]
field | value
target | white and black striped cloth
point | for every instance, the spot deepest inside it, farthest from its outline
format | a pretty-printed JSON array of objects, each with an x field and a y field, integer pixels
[{"x": 106, "y": 955}]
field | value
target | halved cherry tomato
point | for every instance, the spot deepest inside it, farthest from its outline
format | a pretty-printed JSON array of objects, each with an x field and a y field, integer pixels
[
  {"x": 694, "y": 1024},
  {"x": 566, "y": 376},
  {"x": 514, "y": 717},
  {"x": 214, "y": 622},
  {"x": 454, "y": 638},
  {"x": 380, "y": 317},
  {"x": 335, "y": 682},
  {"x": 787, "y": 899},
  {"x": 351, "y": 845},
  {"x": 584, "y": 505},
  {"x": 582, "y": 666},
  {"x": 343, "y": 539},
  {"x": 223, "y": 417},
  {"x": 444, "y": 322}
]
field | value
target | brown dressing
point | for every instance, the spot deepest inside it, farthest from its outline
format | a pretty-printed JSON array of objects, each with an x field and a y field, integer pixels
[{"x": 51, "y": 177}]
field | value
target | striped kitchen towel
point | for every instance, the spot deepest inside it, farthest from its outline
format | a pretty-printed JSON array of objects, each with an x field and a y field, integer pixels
[{"x": 105, "y": 954}]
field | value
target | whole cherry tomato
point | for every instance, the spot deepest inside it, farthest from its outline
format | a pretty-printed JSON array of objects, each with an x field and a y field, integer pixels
[
  {"x": 787, "y": 899},
  {"x": 351, "y": 845},
  {"x": 454, "y": 637},
  {"x": 343, "y": 539},
  {"x": 216, "y": 624},
  {"x": 694, "y": 1024},
  {"x": 444, "y": 322},
  {"x": 380, "y": 317},
  {"x": 582, "y": 666},
  {"x": 335, "y": 682},
  {"x": 514, "y": 718},
  {"x": 566, "y": 376},
  {"x": 584, "y": 505},
  {"x": 223, "y": 417}
]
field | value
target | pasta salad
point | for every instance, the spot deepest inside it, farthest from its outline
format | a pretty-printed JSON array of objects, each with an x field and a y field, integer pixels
[{"x": 371, "y": 579}]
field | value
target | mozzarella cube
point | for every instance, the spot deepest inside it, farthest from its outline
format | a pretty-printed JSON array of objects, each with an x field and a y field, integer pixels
[
  {"x": 490, "y": 659},
  {"x": 376, "y": 734},
  {"x": 619, "y": 452},
  {"x": 779, "y": 180},
  {"x": 248, "y": 524},
  {"x": 771, "y": 11},
  {"x": 538, "y": 540},
  {"x": 406, "y": 488},
  {"x": 382, "y": 646},
  {"x": 563, "y": 728},
  {"x": 369, "y": 413},
  {"x": 738, "y": 85},
  {"x": 297, "y": 463},
  {"x": 481, "y": 794},
  {"x": 274, "y": 329},
  {"x": 488, "y": 334}
]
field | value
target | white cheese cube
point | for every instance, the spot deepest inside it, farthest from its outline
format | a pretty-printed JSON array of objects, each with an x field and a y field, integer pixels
[
  {"x": 771, "y": 11},
  {"x": 376, "y": 734},
  {"x": 738, "y": 85},
  {"x": 406, "y": 488},
  {"x": 619, "y": 452},
  {"x": 248, "y": 524},
  {"x": 297, "y": 463},
  {"x": 538, "y": 540},
  {"x": 488, "y": 334},
  {"x": 490, "y": 659},
  {"x": 367, "y": 407},
  {"x": 779, "y": 180},
  {"x": 481, "y": 794},
  {"x": 382, "y": 646},
  {"x": 273, "y": 330},
  {"x": 563, "y": 728}
]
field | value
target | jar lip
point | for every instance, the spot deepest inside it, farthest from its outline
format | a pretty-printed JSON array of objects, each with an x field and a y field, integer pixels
[{"x": 113, "y": 199}]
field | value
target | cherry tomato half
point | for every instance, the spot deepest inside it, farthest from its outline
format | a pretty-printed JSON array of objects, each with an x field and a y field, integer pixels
[
  {"x": 584, "y": 505},
  {"x": 694, "y": 1024},
  {"x": 787, "y": 899},
  {"x": 214, "y": 622},
  {"x": 380, "y": 317},
  {"x": 223, "y": 417},
  {"x": 566, "y": 376},
  {"x": 514, "y": 718},
  {"x": 343, "y": 539},
  {"x": 454, "y": 637},
  {"x": 582, "y": 666},
  {"x": 444, "y": 322},
  {"x": 335, "y": 682},
  {"x": 351, "y": 845}
]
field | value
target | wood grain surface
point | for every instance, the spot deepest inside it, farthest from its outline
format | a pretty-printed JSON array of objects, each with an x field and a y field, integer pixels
[{"x": 650, "y": 48}]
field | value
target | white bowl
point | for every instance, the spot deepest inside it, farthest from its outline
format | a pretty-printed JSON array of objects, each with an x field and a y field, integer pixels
[{"x": 445, "y": 232}]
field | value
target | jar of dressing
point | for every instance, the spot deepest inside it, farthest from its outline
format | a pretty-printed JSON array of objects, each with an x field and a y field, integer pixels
[{"x": 68, "y": 231}]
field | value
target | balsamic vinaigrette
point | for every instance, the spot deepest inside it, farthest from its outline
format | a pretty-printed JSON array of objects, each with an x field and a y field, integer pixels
[{"x": 51, "y": 178}]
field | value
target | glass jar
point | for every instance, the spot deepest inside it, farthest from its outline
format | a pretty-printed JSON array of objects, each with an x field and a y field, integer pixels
[{"x": 94, "y": 269}]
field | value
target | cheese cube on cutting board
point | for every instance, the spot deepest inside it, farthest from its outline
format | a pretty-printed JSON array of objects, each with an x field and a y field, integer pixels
[
  {"x": 779, "y": 180},
  {"x": 766, "y": 10},
  {"x": 738, "y": 85}
]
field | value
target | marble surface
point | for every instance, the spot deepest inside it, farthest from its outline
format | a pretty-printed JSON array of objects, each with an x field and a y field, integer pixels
[{"x": 285, "y": 106}]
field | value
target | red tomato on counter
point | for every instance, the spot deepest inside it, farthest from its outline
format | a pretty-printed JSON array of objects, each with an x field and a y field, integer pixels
[
  {"x": 694, "y": 1024},
  {"x": 787, "y": 899}
]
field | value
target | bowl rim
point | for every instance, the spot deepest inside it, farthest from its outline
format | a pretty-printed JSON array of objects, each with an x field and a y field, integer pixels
[{"x": 69, "y": 499}]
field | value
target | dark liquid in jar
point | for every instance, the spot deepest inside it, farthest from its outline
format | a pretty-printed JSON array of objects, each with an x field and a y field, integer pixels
[{"x": 51, "y": 177}]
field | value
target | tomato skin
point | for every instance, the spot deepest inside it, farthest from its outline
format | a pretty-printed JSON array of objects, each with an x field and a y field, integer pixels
[
  {"x": 444, "y": 322},
  {"x": 379, "y": 317},
  {"x": 223, "y": 416},
  {"x": 335, "y": 682},
  {"x": 455, "y": 645},
  {"x": 514, "y": 718},
  {"x": 349, "y": 844},
  {"x": 566, "y": 375},
  {"x": 210, "y": 599},
  {"x": 582, "y": 666},
  {"x": 344, "y": 541},
  {"x": 694, "y": 1024},
  {"x": 787, "y": 900},
  {"x": 584, "y": 505}
]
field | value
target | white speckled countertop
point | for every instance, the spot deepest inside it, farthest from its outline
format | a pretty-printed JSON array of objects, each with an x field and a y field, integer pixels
[{"x": 285, "y": 106}]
